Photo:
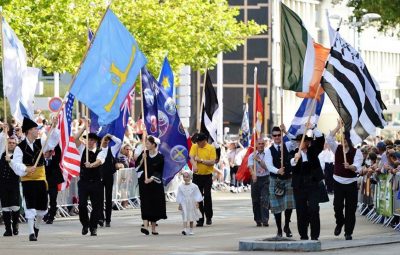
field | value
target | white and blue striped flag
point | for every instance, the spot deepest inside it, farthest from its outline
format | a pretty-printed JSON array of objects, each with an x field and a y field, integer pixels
[{"x": 302, "y": 114}]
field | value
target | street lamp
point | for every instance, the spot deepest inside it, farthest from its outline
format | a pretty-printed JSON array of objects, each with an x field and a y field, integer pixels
[{"x": 365, "y": 19}]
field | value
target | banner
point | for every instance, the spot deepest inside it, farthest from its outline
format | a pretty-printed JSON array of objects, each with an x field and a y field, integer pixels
[
  {"x": 384, "y": 201},
  {"x": 396, "y": 196}
]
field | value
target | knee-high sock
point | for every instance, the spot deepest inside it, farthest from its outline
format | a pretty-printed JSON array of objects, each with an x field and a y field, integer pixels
[
  {"x": 278, "y": 220},
  {"x": 288, "y": 214},
  {"x": 39, "y": 220},
  {"x": 31, "y": 223}
]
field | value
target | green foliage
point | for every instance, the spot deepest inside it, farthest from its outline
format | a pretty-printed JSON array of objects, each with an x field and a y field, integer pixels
[
  {"x": 192, "y": 32},
  {"x": 388, "y": 9}
]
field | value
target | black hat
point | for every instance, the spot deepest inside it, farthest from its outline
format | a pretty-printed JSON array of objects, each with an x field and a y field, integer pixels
[
  {"x": 28, "y": 124},
  {"x": 300, "y": 136},
  {"x": 94, "y": 136}
]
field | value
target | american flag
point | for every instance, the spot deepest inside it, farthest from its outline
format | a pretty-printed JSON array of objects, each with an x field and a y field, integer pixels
[{"x": 70, "y": 158}]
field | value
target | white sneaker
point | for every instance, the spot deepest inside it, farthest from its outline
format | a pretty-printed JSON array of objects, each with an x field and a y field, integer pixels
[{"x": 191, "y": 231}]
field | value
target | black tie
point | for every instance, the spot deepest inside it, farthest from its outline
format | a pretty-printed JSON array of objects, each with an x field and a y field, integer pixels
[{"x": 279, "y": 148}]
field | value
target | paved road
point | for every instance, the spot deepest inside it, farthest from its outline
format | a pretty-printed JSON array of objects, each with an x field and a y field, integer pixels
[{"x": 232, "y": 222}]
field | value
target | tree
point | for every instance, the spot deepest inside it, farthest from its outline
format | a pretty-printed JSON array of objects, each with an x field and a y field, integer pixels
[
  {"x": 388, "y": 9},
  {"x": 192, "y": 32}
]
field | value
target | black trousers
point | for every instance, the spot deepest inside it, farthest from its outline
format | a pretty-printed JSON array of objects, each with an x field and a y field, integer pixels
[
  {"x": 234, "y": 182},
  {"x": 53, "y": 192},
  {"x": 328, "y": 172},
  {"x": 307, "y": 210},
  {"x": 260, "y": 199},
  {"x": 92, "y": 190},
  {"x": 204, "y": 182},
  {"x": 345, "y": 198},
  {"x": 108, "y": 184}
]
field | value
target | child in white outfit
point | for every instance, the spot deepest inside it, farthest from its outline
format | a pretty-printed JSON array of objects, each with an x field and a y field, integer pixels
[{"x": 188, "y": 198}]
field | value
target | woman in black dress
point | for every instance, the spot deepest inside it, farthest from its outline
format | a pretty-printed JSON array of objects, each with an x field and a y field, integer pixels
[{"x": 151, "y": 190}]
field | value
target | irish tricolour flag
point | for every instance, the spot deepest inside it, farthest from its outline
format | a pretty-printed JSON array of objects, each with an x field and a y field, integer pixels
[{"x": 297, "y": 52}]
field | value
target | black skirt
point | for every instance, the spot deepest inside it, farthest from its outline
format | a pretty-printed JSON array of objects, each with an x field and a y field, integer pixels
[{"x": 9, "y": 194}]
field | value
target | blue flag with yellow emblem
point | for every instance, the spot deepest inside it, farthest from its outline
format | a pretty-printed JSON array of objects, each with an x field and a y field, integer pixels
[
  {"x": 166, "y": 78},
  {"x": 110, "y": 69},
  {"x": 170, "y": 131}
]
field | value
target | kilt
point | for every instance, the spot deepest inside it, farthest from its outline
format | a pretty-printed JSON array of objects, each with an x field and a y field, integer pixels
[
  {"x": 9, "y": 194},
  {"x": 280, "y": 204}
]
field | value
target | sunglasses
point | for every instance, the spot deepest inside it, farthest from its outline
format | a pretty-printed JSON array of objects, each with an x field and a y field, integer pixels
[{"x": 276, "y": 135}]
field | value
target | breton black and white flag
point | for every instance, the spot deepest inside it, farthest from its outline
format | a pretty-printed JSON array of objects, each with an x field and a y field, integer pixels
[
  {"x": 353, "y": 91},
  {"x": 210, "y": 111}
]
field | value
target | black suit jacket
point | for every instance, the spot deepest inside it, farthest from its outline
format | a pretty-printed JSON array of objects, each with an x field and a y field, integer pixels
[
  {"x": 309, "y": 173},
  {"x": 53, "y": 171}
]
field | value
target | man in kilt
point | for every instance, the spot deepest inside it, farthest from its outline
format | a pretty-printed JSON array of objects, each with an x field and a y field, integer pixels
[
  {"x": 9, "y": 185},
  {"x": 280, "y": 187},
  {"x": 259, "y": 184},
  {"x": 33, "y": 178}
]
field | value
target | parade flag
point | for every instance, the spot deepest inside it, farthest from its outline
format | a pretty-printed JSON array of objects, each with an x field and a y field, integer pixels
[
  {"x": 19, "y": 80},
  {"x": 210, "y": 111},
  {"x": 244, "y": 131},
  {"x": 117, "y": 127},
  {"x": 321, "y": 56},
  {"x": 353, "y": 91},
  {"x": 173, "y": 146},
  {"x": 70, "y": 157},
  {"x": 243, "y": 173},
  {"x": 109, "y": 70},
  {"x": 149, "y": 91},
  {"x": 301, "y": 117},
  {"x": 297, "y": 52},
  {"x": 166, "y": 78}
]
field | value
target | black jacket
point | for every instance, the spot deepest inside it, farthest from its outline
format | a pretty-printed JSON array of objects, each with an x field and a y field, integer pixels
[
  {"x": 52, "y": 166},
  {"x": 307, "y": 174}
]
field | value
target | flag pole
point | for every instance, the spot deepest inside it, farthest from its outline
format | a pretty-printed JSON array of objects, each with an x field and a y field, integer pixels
[
  {"x": 202, "y": 101},
  {"x": 4, "y": 94},
  {"x": 282, "y": 147},
  {"x": 72, "y": 82},
  {"x": 254, "y": 121},
  {"x": 87, "y": 134},
  {"x": 145, "y": 130}
]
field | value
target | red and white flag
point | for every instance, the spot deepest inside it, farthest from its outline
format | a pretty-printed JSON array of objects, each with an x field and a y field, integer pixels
[{"x": 70, "y": 157}]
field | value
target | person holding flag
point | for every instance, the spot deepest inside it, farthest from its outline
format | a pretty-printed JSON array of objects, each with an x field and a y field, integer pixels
[
  {"x": 28, "y": 162},
  {"x": 89, "y": 184},
  {"x": 202, "y": 157},
  {"x": 280, "y": 188}
]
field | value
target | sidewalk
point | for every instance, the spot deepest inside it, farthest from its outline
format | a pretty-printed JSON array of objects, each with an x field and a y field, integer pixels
[{"x": 233, "y": 220}]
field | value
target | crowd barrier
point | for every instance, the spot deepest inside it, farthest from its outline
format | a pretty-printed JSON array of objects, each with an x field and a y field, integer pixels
[{"x": 379, "y": 198}]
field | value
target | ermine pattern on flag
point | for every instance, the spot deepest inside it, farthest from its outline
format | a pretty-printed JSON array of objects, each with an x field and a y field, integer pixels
[
  {"x": 353, "y": 91},
  {"x": 70, "y": 157}
]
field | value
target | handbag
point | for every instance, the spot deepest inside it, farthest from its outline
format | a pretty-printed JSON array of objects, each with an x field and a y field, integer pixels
[
  {"x": 323, "y": 194},
  {"x": 279, "y": 188}
]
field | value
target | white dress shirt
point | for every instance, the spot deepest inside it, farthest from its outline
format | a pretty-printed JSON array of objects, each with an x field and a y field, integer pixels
[
  {"x": 259, "y": 170},
  {"x": 16, "y": 162}
]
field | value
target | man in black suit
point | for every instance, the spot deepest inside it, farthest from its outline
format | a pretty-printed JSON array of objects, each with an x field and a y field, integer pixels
[
  {"x": 307, "y": 174},
  {"x": 53, "y": 177}
]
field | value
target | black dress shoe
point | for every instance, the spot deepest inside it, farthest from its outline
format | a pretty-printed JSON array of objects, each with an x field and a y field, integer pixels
[
  {"x": 348, "y": 237},
  {"x": 279, "y": 234},
  {"x": 93, "y": 231},
  {"x": 108, "y": 224},
  {"x": 304, "y": 238},
  {"x": 85, "y": 230},
  {"x": 36, "y": 232},
  {"x": 101, "y": 223},
  {"x": 287, "y": 231},
  {"x": 154, "y": 233},
  {"x": 144, "y": 231},
  {"x": 259, "y": 224},
  {"x": 49, "y": 222},
  {"x": 314, "y": 238},
  {"x": 32, "y": 237},
  {"x": 7, "y": 233},
  {"x": 208, "y": 221},
  {"x": 338, "y": 229},
  {"x": 265, "y": 224},
  {"x": 199, "y": 224}
]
